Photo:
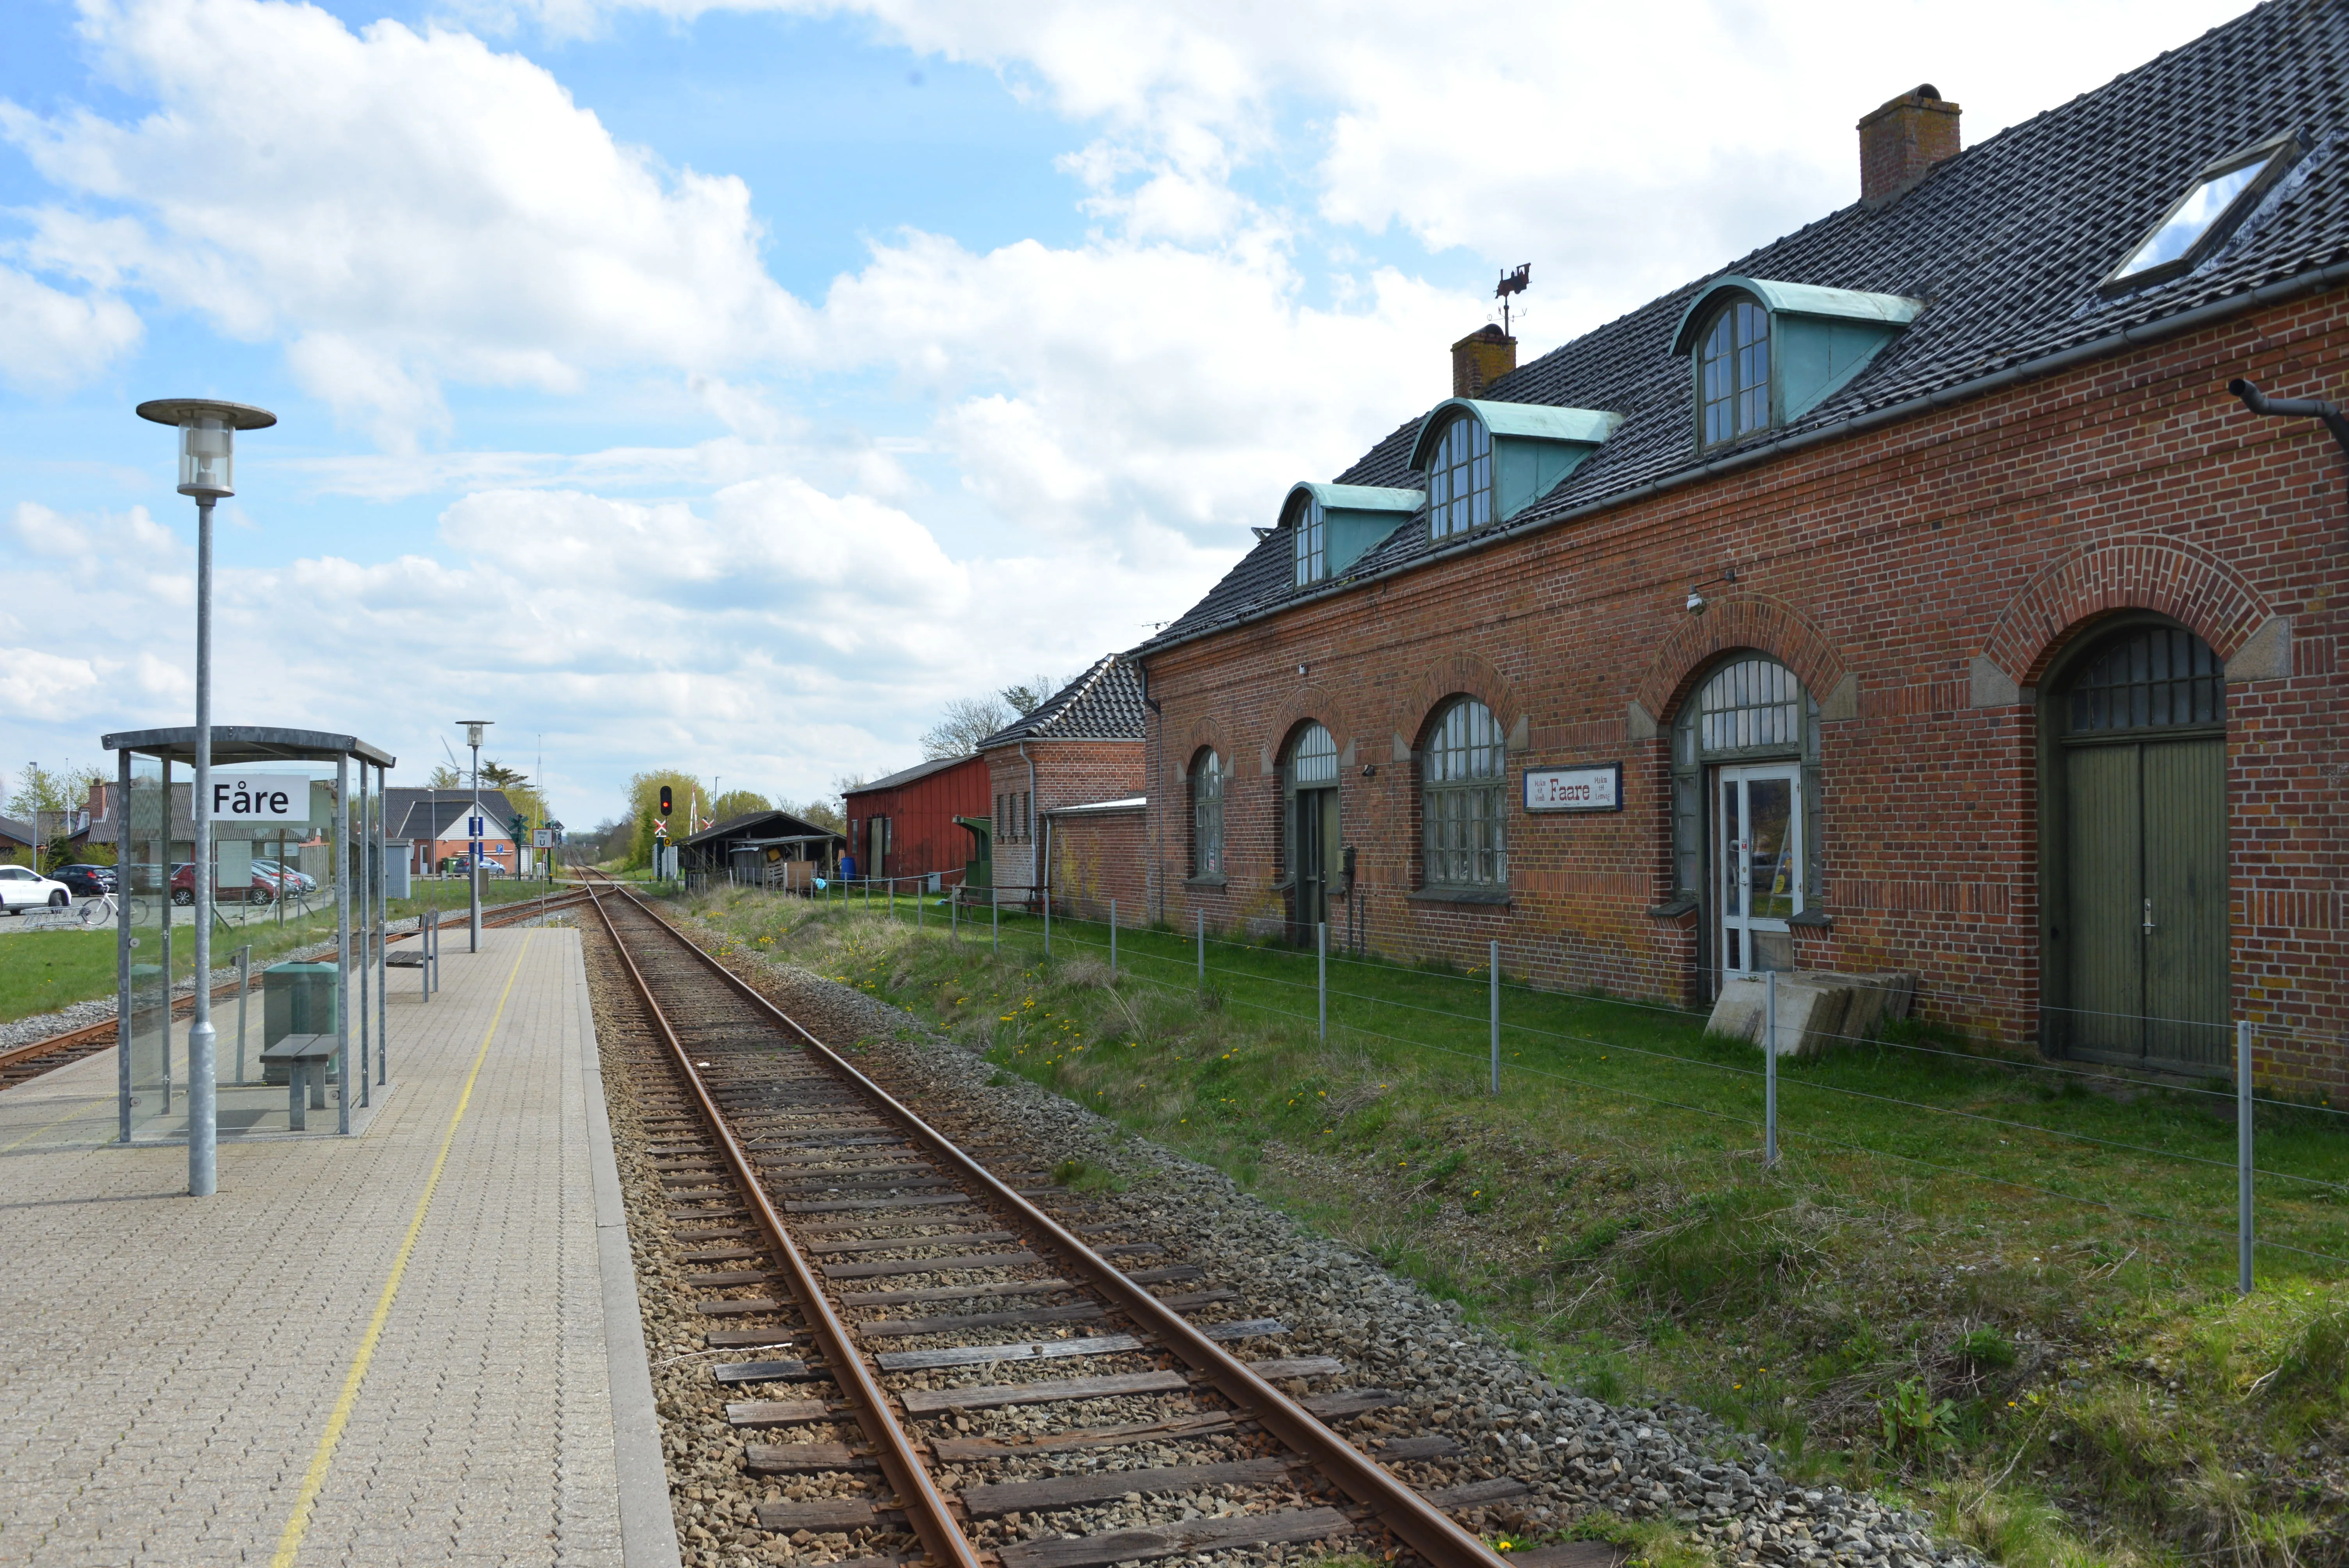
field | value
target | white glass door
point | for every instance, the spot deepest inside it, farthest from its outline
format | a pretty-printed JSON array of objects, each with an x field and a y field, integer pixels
[{"x": 1758, "y": 860}]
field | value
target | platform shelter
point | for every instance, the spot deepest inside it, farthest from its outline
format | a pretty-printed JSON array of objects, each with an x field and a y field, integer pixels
[{"x": 297, "y": 909}]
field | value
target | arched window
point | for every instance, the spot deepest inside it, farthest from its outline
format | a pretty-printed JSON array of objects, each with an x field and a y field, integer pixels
[
  {"x": 2150, "y": 677},
  {"x": 1462, "y": 810},
  {"x": 1206, "y": 815},
  {"x": 1309, "y": 530},
  {"x": 1734, "y": 374},
  {"x": 1460, "y": 477}
]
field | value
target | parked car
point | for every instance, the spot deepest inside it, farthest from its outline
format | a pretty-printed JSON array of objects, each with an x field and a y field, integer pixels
[
  {"x": 87, "y": 880},
  {"x": 23, "y": 888},
  {"x": 261, "y": 889},
  {"x": 293, "y": 881}
]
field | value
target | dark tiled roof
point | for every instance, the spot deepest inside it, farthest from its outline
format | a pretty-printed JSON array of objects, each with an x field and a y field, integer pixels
[
  {"x": 2007, "y": 243},
  {"x": 14, "y": 831},
  {"x": 428, "y": 814},
  {"x": 908, "y": 776},
  {"x": 766, "y": 825},
  {"x": 1102, "y": 704}
]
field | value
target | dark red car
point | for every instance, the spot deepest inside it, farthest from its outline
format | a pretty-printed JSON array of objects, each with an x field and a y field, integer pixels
[{"x": 263, "y": 888}]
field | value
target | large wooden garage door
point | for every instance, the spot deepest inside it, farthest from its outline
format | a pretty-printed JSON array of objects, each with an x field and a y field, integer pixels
[{"x": 2139, "y": 922}]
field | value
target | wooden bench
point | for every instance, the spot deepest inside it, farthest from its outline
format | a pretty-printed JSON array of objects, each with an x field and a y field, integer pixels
[{"x": 305, "y": 1058}]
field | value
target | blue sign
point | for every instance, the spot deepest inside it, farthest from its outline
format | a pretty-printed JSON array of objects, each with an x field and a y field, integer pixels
[{"x": 473, "y": 827}]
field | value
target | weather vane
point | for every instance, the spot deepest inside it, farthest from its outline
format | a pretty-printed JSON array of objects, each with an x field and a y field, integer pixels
[{"x": 1512, "y": 283}]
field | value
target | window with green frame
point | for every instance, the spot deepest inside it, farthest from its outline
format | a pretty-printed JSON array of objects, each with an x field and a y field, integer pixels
[
  {"x": 1206, "y": 815},
  {"x": 1460, "y": 477},
  {"x": 1734, "y": 374}
]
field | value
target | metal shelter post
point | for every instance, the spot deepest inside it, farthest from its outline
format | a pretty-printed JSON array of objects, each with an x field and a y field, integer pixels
[
  {"x": 342, "y": 942},
  {"x": 383, "y": 939},
  {"x": 366, "y": 933},
  {"x": 125, "y": 1010},
  {"x": 244, "y": 993}
]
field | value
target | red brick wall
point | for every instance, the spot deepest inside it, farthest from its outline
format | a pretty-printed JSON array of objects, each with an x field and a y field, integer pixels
[
  {"x": 1914, "y": 576},
  {"x": 1067, "y": 773},
  {"x": 1098, "y": 856}
]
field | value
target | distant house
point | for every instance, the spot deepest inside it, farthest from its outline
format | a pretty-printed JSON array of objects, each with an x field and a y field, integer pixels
[{"x": 433, "y": 822}]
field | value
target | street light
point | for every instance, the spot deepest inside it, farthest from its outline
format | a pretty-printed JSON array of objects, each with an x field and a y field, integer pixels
[
  {"x": 207, "y": 472},
  {"x": 473, "y": 727}
]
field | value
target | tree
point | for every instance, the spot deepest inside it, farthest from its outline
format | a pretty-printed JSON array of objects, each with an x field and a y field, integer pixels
[
  {"x": 443, "y": 777},
  {"x": 497, "y": 775},
  {"x": 1030, "y": 693},
  {"x": 45, "y": 798},
  {"x": 643, "y": 810},
  {"x": 968, "y": 721},
  {"x": 738, "y": 804}
]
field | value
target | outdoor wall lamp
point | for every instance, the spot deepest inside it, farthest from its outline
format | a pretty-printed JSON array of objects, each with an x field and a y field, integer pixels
[
  {"x": 207, "y": 472},
  {"x": 1696, "y": 604}
]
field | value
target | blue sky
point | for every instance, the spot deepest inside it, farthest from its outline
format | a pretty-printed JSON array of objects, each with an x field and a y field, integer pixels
[{"x": 729, "y": 385}]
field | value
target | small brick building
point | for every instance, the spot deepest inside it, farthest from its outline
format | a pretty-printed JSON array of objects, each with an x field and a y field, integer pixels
[
  {"x": 1079, "y": 747},
  {"x": 1913, "y": 594}
]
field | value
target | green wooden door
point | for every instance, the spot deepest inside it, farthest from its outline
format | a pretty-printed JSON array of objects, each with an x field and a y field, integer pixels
[
  {"x": 2145, "y": 903},
  {"x": 2103, "y": 892},
  {"x": 2186, "y": 960}
]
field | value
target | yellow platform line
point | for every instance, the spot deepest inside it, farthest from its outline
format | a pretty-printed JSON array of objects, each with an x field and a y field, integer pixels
[{"x": 306, "y": 1502}]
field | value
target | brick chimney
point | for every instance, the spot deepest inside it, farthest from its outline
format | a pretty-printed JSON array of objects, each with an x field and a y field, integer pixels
[
  {"x": 1899, "y": 144},
  {"x": 1481, "y": 358}
]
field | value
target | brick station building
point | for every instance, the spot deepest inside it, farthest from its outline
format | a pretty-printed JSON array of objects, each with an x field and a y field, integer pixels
[
  {"x": 1079, "y": 747},
  {"x": 1911, "y": 594}
]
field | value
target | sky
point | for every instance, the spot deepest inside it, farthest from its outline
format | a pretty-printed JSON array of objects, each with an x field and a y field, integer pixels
[{"x": 729, "y": 384}]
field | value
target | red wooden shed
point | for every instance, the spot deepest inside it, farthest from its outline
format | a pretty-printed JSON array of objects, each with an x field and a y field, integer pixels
[{"x": 904, "y": 825}]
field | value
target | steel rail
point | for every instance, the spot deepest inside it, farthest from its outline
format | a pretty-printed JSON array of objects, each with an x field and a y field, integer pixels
[
  {"x": 1418, "y": 1522},
  {"x": 925, "y": 1507},
  {"x": 182, "y": 1006}
]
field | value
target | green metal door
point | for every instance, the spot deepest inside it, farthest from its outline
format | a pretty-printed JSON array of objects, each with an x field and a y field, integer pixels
[
  {"x": 2104, "y": 891},
  {"x": 2185, "y": 980}
]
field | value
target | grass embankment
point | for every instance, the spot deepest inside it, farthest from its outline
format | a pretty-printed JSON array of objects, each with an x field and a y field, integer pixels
[
  {"x": 41, "y": 971},
  {"x": 2065, "y": 1382}
]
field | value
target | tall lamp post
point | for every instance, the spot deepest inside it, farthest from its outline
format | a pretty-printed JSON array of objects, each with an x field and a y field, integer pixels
[
  {"x": 473, "y": 727},
  {"x": 207, "y": 472}
]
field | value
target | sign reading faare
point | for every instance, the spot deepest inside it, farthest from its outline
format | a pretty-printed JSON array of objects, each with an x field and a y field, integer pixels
[
  {"x": 1574, "y": 788},
  {"x": 262, "y": 799}
]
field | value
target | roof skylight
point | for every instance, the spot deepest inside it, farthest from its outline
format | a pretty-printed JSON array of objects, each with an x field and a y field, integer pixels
[{"x": 2222, "y": 196}]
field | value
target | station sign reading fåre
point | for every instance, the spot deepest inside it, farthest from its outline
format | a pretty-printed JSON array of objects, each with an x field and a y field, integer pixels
[
  {"x": 1574, "y": 788},
  {"x": 262, "y": 799}
]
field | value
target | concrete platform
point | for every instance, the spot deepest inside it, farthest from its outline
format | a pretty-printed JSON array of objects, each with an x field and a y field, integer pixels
[{"x": 415, "y": 1345}]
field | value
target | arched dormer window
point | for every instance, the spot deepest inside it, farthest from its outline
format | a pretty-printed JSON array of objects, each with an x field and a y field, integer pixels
[
  {"x": 1460, "y": 477},
  {"x": 1763, "y": 353},
  {"x": 1734, "y": 373},
  {"x": 1310, "y": 537}
]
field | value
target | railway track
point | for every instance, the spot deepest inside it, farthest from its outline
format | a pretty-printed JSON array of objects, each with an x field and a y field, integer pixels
[
  {"x": 938, "y": 1355},
  {"x": 35, "y": 1057}
]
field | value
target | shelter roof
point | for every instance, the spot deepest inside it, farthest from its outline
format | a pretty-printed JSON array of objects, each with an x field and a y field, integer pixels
[
  {"x": 236, "y": 743},
  {"x": 769, "y": 825},
  {"x": 1102, "y": 704},
  {"x": 2005, "y": 245}
]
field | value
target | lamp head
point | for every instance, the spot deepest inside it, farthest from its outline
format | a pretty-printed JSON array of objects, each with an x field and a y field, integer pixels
[
  {"x": 473, "y": 727},
  {"x": 207, "y": 439},
  {"x": 1695, "y": 603}
]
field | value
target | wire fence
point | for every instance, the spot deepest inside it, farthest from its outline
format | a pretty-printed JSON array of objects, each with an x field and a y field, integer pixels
[{"x": 1153, "y": 957}]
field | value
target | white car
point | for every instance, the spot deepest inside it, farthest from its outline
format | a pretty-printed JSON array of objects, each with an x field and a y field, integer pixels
[{"x": 21, "y": 888}]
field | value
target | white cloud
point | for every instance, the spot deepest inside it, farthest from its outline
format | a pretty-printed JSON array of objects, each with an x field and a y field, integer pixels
[
  {"x": 50, "y": 340},
  {"x": 405, "y": 206},
  {"x": 35, "y": 684}
]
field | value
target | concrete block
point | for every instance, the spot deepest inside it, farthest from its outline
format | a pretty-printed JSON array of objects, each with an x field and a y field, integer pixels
[{"x": 1818, "y": 1009}]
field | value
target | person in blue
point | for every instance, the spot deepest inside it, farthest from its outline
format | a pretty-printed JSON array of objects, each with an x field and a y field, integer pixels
[{"x": 848, "y": 865}]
